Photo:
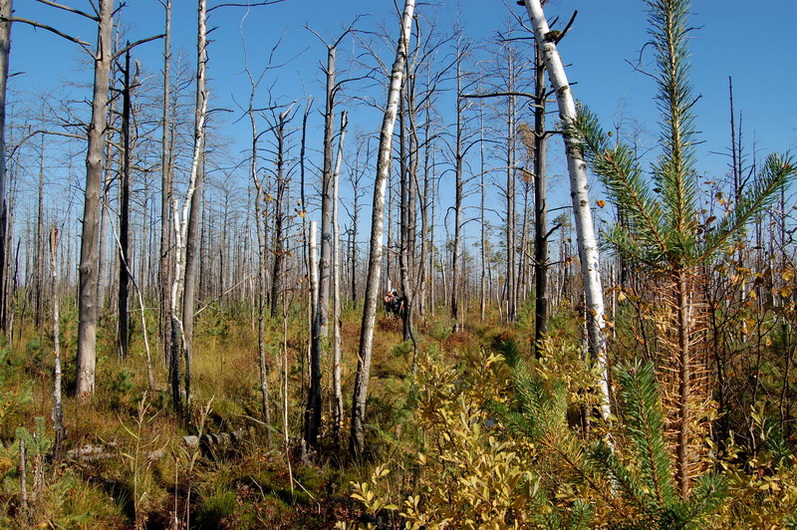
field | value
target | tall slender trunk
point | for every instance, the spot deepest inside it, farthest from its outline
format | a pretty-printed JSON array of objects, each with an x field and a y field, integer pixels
[
  {"x": 314, "y": 361},
  {"x": 58, "y": 411},
  {"x": 337, "y": 389},
  {"x": 482, "y": 206},
  {"x": 511, "y": 215},
  {"x": 458, "y": 197},
  {"x": 321, "y": 322},
  {"x": 89, "y": 249},
  {"x": 540, "y": 206},
  {"x": 38, "y": 279},
  {"x": 192, "y": 235},
  {"x": 123, "y": 338},
  {"x": 278, "y": 272},
  {"x": 166, "y": 192},
  {"x": 357, "y": 434},
  {"x": 262, "y": 252},
  {"x": 6, "y": 9},
  {"x": 579, "y": 192}
]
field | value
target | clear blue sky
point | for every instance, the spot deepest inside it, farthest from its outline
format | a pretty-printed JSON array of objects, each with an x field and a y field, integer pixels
[{"x": 752, "y": 43}]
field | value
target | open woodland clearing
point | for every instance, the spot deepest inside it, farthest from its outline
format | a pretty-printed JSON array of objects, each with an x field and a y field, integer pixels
[{"x": 430, "y": 289}]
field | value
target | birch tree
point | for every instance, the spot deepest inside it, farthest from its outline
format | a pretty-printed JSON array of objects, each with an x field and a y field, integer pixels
[
  {"x": 579, "y": 192},
  {"x": 337, "y": 389},
  {"x": 58, "y": 411},
  {"x": 357, "y": 433}
]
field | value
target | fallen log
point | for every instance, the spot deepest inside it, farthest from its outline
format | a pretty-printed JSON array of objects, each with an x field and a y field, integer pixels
[{"x": 211, "y": 443}]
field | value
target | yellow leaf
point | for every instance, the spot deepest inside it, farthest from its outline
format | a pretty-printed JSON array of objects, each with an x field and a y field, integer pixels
[
  {"x": 788, "y": 275},
  {"x": 600, "y": 203},
  {"x": 785, "y": 291},
  {"x": 621, "y": 296}
]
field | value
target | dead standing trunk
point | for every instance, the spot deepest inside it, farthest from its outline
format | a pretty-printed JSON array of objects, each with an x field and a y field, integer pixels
[
  {"x": 89, "y": 249},
  {"x": 192, "y": 234},
  {"x": 58, "y": 411},
  {"x": 579, "y": 191},
  {"x": 320, "y": 326},
  {"x": 337, "y": 389},
  {"x": 166, "y": 192},
  {"x": 357, "y": 434},
  {"x": 540, "y": 206},
  {"x": 123, "y": 338},
  {"x": 6, "y": 9},
  {"x": 278, "y": 271}
]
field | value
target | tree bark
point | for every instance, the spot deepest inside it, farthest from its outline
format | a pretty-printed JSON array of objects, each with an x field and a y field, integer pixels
[
  {"x": 321, "y": 321},
  {"x": 58, "y": 411},
  {"x": 192, "y": 234},
  {"x": 357, "y": 434},
  {"x": 278, "y": 272},
  {"x": 166, "y": 191},
  {"x": 123, "y": 338},
  {"x": 579, "y": 192},
  {"x": 6, "y": 9},
  {"x": 511, "y": 213},
  {"x": 337, "y": 389},
  {"x": 540, "y": 206},
  {"x": 458, "y": 197},
  {"x": 89, "y": 249}
]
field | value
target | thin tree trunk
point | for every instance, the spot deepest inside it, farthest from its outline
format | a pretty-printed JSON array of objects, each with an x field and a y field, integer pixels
[
  {"x": 89, "y": 250},
  {"x": 314, "y": 361},
  {"x": 321, "y": 322},
  {"x": 579, "y": 191},
  {"x": 166, "y": 192},
  {"x": 6, "y": 9},
  {"x": 357, "y": 435},
  {"x": 540, "y": 206},
  {"x": 482, "y": 207},
  {"x": 458, "y": 197},
  {"x": 260, "y": 221},
  {"x": 58, "y": 411},
  {"x": 123, "y": 338},
  {"x": 337, "y": 411},
  {"x": 511, "y": 215},
  {"x": 278, "y": 272},
  {"x": 192, "y": 235},
  {"x": 38, "y": 279}
]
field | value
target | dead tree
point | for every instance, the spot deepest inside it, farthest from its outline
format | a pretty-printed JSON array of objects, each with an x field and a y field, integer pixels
[
  {"x": 357, "y": 433},
  {"x": 320, "y": 327},
  {"x": 58, "y": 411},
  {"x": 5, "y": 48},
  {"x": 167, "y": 139}
]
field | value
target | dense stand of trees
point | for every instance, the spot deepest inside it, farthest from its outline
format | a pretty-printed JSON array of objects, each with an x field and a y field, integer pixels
[{"x": 177, "y": 220}]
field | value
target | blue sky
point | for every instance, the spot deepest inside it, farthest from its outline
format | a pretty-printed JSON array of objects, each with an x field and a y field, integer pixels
[{"x": 753, "y": 44}]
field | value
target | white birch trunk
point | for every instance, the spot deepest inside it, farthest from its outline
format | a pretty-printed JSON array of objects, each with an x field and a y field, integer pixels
[
  {"x": 58, "y": 410},
  {"x": 579, "y": 192},
  {"x": 181, "y": 221},
  {"x": 357, "y": 435},
  {"x": 337, "y": 412}
]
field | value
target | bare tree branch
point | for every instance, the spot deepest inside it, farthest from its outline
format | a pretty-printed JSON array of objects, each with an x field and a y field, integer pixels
[
  {"x": 70, "y": 9},
  {"x": 51, "y": 29}
]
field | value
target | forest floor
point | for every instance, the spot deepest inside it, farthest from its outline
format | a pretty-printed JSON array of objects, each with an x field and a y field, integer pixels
[{"x": 126, "y": 463}]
